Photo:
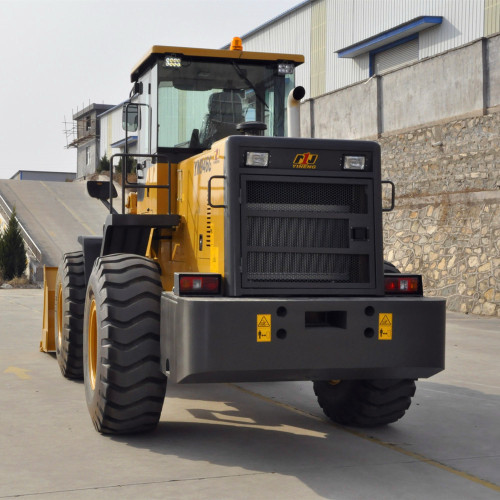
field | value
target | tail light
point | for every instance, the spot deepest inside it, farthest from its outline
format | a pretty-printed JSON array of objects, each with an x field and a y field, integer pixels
[
  {"x": 197, "y": 284},
  {"x": 401, "y": 284}
]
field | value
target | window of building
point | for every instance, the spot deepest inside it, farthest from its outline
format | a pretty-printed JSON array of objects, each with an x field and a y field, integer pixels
[
  {"x": 87, "y": 123},
  {"x": 393, "y": 56},
  {"x": 392, "y": 48},
  {"x": 87, "y": 155}
]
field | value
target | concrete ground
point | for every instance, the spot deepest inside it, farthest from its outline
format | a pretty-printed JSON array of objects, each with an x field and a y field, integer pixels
[{"x": 247, "y": 441}]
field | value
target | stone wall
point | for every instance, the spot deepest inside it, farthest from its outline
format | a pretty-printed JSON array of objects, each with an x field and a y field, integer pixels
[
  {"x": 446, "y": 224},
  {"x": 455, "y": 156}
]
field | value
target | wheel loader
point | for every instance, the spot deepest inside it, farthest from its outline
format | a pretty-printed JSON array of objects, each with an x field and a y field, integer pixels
[{"x": 241, "y": 253}]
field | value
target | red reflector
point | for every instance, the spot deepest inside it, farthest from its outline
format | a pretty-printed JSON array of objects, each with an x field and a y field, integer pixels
[
  {"x": 199, "y": 284},
  {"x": 403, "y": 285}
]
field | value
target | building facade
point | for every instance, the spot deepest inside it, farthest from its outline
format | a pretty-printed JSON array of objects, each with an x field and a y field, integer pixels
[
  {"x": 87, "y": 138},
  {"x": 421, "y": 77},
  {"x": 345, "y": 42},
  {"x": 112, "y": 136}
]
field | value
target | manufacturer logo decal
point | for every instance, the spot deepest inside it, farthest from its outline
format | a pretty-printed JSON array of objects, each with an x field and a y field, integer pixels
[{"x": 305, "y": 160}]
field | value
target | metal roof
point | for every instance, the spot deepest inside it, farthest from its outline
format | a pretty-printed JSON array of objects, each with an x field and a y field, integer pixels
[{"x": 390, "y": 36}]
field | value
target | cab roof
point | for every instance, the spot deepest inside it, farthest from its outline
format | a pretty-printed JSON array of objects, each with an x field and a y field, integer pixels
[{"x": 150, "y": 58}]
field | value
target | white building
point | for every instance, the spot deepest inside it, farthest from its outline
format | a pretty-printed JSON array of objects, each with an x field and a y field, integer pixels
[
  {"x": 112, "y": 136},
  {"x": 347, "y": 41}
]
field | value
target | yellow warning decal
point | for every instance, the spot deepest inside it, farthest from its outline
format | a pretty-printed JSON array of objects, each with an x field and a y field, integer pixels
[
  {"x": 385, "y": 326},
  {"x": 263, "y": 328}
]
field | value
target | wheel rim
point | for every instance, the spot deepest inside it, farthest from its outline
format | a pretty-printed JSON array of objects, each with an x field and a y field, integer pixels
[
  {"x": 92, "y": 336},
  {"x": 334, "y": 382},
  {"x": 59, "y": 316}
]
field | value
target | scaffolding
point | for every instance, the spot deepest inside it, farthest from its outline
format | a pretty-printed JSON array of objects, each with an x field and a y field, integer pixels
[
  {"x": 83, "y": 127},
  {"x": 79, "y": 131}
]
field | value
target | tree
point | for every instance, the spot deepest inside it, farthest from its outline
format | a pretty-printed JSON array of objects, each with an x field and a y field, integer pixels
[
  {"x": 12, "y": 253},
  {"x": 131, "y": 166},
  {"x": 103, "y": 165}
]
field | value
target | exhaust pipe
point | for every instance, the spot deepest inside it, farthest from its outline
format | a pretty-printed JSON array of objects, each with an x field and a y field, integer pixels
[{"x": 294, "y": 98}]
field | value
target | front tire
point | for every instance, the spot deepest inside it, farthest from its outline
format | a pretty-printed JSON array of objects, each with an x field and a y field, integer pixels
[
  {"x": 124, "y": 386},
  {"x": 365, "y": 403},
  {"x": 68, "y": 321}
]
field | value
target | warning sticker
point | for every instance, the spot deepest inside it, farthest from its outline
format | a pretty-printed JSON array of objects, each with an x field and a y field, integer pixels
[
  {"x": 385, "y": 326},
  {"x": 263, "y": 328}
]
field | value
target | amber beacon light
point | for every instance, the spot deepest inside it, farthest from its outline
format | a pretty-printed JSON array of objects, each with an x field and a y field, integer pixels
[{"x": 236, "y": 44}]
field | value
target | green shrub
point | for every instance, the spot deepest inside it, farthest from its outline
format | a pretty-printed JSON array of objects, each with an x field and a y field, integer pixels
[
  {"x": 12, "y": 253},
  {"x": 103, "y": 165}
]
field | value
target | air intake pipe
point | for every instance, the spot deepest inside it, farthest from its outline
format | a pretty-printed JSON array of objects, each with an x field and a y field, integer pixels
[{"x": 294, "y": 98}]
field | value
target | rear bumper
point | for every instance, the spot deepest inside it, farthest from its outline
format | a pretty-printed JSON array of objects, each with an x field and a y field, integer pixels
[{"x": 226, "y": 339}]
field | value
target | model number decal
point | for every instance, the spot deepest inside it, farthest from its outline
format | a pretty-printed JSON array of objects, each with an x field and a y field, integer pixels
[{"x": 204, "y": 164}]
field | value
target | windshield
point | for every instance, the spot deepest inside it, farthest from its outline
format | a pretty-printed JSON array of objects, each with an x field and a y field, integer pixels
[{"x": 200, "y": 102}]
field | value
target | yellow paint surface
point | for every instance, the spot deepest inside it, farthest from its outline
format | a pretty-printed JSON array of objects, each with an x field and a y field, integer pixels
[{"x": 21, "y": 373}]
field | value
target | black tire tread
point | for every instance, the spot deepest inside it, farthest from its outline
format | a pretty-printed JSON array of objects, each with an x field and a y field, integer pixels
[
  {"x": 365, "y": 403},
  {"x": 131, "y": 388},
  {"x": 390, "y": 268},
  {"x": 71, "y": 275}
]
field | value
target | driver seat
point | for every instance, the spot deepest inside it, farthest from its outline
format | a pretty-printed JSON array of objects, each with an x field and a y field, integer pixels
[{"x": 225, "y": 111}]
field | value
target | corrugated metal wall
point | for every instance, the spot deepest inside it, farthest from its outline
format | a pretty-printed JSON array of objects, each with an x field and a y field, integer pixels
[
  {"x": 289, "y": 35},
  {"x": 318, "y": 48},
  {"x": 111, "y": 131},
  {"x": 350, "y": 21},
  {"x": 491, "y": 17},
  {"x": 462, "y": 23}
]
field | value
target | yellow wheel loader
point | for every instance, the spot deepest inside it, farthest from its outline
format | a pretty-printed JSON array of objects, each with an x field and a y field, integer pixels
[{"x": 242, "y": 253}]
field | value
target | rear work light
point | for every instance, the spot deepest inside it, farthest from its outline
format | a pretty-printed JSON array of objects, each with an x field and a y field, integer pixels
[
  {"x": 401, "y": 284},
  {"x": 197, "y": 284}
]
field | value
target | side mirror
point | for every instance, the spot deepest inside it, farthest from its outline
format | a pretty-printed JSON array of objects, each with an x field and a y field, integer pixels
[
  {"x": 130, "y": 117},
  {"x": 100, "y": 190}
]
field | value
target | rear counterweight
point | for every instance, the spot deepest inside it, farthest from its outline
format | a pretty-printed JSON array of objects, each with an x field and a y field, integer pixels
[{"x": 217, "y": 339}]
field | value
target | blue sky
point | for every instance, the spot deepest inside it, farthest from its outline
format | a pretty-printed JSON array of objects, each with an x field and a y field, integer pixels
[{"x": 59, "y": 56}]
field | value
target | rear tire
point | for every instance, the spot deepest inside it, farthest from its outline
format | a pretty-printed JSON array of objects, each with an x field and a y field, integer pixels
[
  {"x": 124, "y": 386},
  {"x": 68, "y": 321},
  {"x": 365, "y": 403},
  {"x": 390, "y": 268}
]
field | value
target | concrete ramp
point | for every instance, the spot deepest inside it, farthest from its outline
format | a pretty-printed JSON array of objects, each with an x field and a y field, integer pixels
[{"x": 54, "y": 214}]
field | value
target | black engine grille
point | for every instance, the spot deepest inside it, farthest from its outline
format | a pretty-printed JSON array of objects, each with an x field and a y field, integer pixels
[
  {"x": 298, "y": 234},
  {"x": 342, "y": 198}
]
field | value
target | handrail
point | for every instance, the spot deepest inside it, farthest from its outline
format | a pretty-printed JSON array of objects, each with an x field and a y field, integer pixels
[
  {"x": 30, "y": 243},
  {"x": 126, "y": 184}
]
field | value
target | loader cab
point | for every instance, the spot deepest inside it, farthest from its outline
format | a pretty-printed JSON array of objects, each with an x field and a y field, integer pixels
[{"x": 185, "y": 99}]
